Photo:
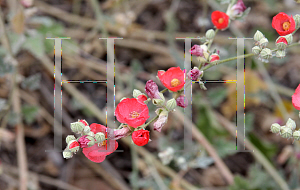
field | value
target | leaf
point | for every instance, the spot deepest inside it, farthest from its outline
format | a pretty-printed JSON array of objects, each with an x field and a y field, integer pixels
[
  {"x": 240, "y": 183},
  {"x": 32, "y": 82},
  {"x": 29, "y": 113},
  {"x": 217, "y": 95},
  {"x": 35, "y": 45}
]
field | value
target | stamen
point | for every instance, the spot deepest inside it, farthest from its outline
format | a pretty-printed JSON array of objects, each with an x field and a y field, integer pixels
[
  {"x": 134, "y": 114},
  {"x": 286, "y": 26},
  {"x": 220, "y": 20},
  {"x": 175, "y": 82}
]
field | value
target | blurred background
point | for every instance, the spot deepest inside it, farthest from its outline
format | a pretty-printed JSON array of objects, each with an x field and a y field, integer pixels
[{"x": 149, "y": 29}]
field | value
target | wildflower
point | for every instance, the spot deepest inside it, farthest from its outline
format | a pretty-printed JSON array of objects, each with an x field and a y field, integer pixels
[
  {"x": 220, "y": 19},
  {"x": 296, "y": 98},
  {"x": 140, "y": 137},
  {"x": 132, "y": 112},
  {"x": 283, "y": 24},
  {"x": 194, "y": 74},
  {"x": 173, "y": 78}
]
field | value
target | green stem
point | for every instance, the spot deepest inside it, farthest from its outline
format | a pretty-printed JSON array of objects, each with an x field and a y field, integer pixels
[
  {"x": 238, "y": 57},
  {"x": 151, "y": 121},
  {"x": 164, "y": 90},
  {"x": 211, "y": 41}
]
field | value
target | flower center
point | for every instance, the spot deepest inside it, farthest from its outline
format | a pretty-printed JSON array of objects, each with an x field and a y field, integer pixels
[
  {"x": 220, "y": 20},
  {"x": 134, "y": 114},
  {"x": 103, "y": 143},
  {"x": 286, "y": 26},
  {"x": 175, "y": 82}
]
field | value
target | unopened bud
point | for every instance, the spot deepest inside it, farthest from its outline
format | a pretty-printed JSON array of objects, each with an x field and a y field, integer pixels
[
  {"x": 256, "y": 50},
  {"x": 77, "y": 127},
  {"x": 99, "y": 137},
  {"x": 171, "y": 104},
  {"x": 263, "y": 42},
  {"x": 70, "y": 138},
  {"x": 297, "y": 20},
  {"x": 73, "y": 146},
  {"x": 289, "y": 38},
  {"x": 286, "y": 132},
  {"x": 67, "y": 154},
  {"x": 266, "y": 53},
  {"x": 291, "y": 124},
  {"x": 296, "y": 135},
  {"x": 275, "y": 128},
  {"x": 258, "y": 35},
  {"x": 210, "y": 34},
  {"x": 202, "y": 86},
  {"x": 86, "y": 129},
  {"x": 280, "y": 53},
  {"x": 136, "y": 93}
]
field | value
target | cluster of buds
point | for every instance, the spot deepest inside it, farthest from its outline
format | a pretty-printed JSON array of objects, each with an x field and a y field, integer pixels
[
  {"x": 282, "y": 43},
  {"x": 287, "y": 131},
  {"x": 261, "y": 42},
  {"x": 87, "y": 138}
]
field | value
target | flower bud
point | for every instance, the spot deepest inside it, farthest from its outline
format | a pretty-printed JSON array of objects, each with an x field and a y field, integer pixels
[
  {"x": 237, "y": 10},
  {"x": 296, "y": 135},
  {"x": 289, "y": 38},
  {"x": 70, "y": 138},
  {"x": 297, "y": 20},
  {"x": 197, "y": 51},
  {"x": 136, "y": 93},
  {"x": 194, "y": 74},
  {"x": 77, "y": 127},
  {"x": 158, "y": 102},
  {"x": 281, "y": 43},
  {"x": 210, "y": 34},
  {"x": 99, "y": 137},
  {"x": 286, "y": 132},
  {"x": 83, "y": 141},
  {"x": 86, "y": 129},
  {"x": 91, "y": 133},
  {"x": 258, "y": 35},
  {"x": 27, "y": 3},
  {"x": 73, "y": 146},
  {"x": 91, "y": 142},
  {"x": 182, "y": 101},
  {"x": 120, "y": 133},
  {"x": 85, "y": 123},
  {"x": 275, "y": 128},
  {"x": 256, "y": 50},
  {"x": 280, "y": 53},
  {"x": 67, "y": 154},
  {"x": 202, "y": 86},
  {"x": 171, "y": 104},
  {"x": 291, "y": 124},
  {"x": 214, "y": 57},
  {"x": 266, "y": 53},
  {"x": 263, "y": 42}
]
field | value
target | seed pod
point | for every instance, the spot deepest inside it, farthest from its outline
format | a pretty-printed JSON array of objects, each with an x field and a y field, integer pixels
[
  {"x": 286, "y": 132},
  {"x": 291, "y": 124},
  {"x": 258, "y": 35},
  {"x": 275, "y": 128},
  {"x": 296, "y": 135}
]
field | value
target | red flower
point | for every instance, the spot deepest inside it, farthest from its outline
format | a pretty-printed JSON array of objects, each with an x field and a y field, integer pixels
[
  {"x": 296, "y": 98},
  {"x": 98, "y": 152},
  {"x": 141, "y": 98},
  {"x": 283, "y": 24},
  {"x": 140, "y": 137},
  {"x": 220, "y": 19},
  {"x": 214, "y": 57},
  {"x": 132, "y": 112},
  {"x": 283, "y": 40},
  {"x": 173, "y": 78}
]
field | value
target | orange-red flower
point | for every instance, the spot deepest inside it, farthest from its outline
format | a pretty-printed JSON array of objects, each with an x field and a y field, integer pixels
[
  {"x": 173, "y": 78},
  {"x": 283, "y": 24},
  {"x": 98, "y": 152},
  {"x": 140, "y": 137},
  {"x": 296, "y": 98},
  {"x": 220, "y": 19},
  {"x": 132, "y": 111}
]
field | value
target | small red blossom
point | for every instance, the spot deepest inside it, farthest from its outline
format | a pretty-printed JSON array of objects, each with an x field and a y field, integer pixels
[
  {"x": 296, "y": 98},
  {"x": 220, "y": 19},
  {"x": 214, "y": 57},
  {"x": 73, "y": 145},
  {"x": 141, "y": 98},
  {"x": 140, "y": 137},
  {"x": 132, "y": 112},
  {"x": 283, "y": 40},
  {"x": 173, "y": 78},
  {"x": 98, "y": 152},
  {"x": 283, "y": 24}
]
